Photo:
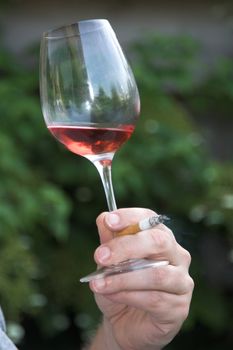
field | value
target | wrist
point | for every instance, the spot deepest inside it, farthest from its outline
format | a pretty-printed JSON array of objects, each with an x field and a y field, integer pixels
[
  {"x": 104, "y": 339},
  {"x": 110, "y": 340}
]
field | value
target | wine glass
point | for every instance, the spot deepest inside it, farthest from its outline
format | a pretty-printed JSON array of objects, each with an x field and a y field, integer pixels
[{"x": 90, "y": 102}]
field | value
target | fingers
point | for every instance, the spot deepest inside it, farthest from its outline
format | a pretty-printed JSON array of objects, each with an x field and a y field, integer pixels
[
  {"x": 157, "y": 243},
  {"x": 169, "y": 279},
  {"x": 108, "y": 223},
  {"x": 162, "y": 306}
]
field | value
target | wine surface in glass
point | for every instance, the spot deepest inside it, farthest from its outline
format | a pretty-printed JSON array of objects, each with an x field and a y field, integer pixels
[{"x": 91, "y": 140}]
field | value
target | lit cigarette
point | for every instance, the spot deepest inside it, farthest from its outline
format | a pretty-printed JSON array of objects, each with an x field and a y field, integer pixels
[{"x": 143, "y": 225}]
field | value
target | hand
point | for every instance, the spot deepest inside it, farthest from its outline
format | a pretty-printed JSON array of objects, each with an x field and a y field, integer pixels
[{"x": 143, "y": 309}]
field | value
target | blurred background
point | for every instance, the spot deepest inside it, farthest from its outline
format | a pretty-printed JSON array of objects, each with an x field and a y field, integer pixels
[{"x": 181, "y": 53}]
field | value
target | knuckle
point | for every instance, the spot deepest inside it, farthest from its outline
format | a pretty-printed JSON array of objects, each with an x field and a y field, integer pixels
[
  {"x": 150, "y": 212},
  {"x": 99, "y": 219},
  {"x": 184, "y": 311},
  {"x": 191, "y": 284},
  {"x": 185, "y": 281},
  {"x": 155, "y": 300},
  {"x": 116, "y": 284},
  {"x": 158, "y": 238},
  {"x": 168, "y": 230},
  {"x": 161, "y": 240},
  {"x": 186, "y": 256},
  {"x": 183, "y": 307},
  {"x": 122, "y": 247},
  {"x": 160, "y": 276}
]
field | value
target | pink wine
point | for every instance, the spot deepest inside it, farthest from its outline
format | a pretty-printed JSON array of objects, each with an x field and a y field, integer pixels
[{"x": 88, "y": 140}]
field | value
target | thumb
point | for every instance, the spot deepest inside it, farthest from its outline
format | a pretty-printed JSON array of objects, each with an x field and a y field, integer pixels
[{"x": 104, "y": 222}]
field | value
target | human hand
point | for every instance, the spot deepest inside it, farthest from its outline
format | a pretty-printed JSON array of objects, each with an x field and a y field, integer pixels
[{"x": 143, "y": 309}]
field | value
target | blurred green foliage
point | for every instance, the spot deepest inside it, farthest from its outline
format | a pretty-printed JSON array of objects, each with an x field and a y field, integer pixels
[{"x": 49, "y": 198}]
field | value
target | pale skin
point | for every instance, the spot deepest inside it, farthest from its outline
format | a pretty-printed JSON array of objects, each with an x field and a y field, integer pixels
[{"x": 142, "y": 310}]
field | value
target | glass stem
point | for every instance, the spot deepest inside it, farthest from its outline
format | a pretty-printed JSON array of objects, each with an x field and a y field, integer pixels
[{"x": 104, "y": 168}]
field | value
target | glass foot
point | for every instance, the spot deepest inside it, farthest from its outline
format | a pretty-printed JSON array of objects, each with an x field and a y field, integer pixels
[{"x": 123, "y": 267}]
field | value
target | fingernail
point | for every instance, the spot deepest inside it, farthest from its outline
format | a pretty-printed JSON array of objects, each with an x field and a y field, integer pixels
[
  {"x": 102, "y": 254},
  {"x": 99, "y": 284},
  {"x": 112, "y": 219}
]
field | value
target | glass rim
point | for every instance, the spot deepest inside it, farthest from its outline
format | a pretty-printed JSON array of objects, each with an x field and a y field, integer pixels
[{"x": 55, "y": 33}]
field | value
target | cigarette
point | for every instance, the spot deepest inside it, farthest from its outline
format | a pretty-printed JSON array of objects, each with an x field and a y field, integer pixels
[{"x": 143, "y": 225}]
